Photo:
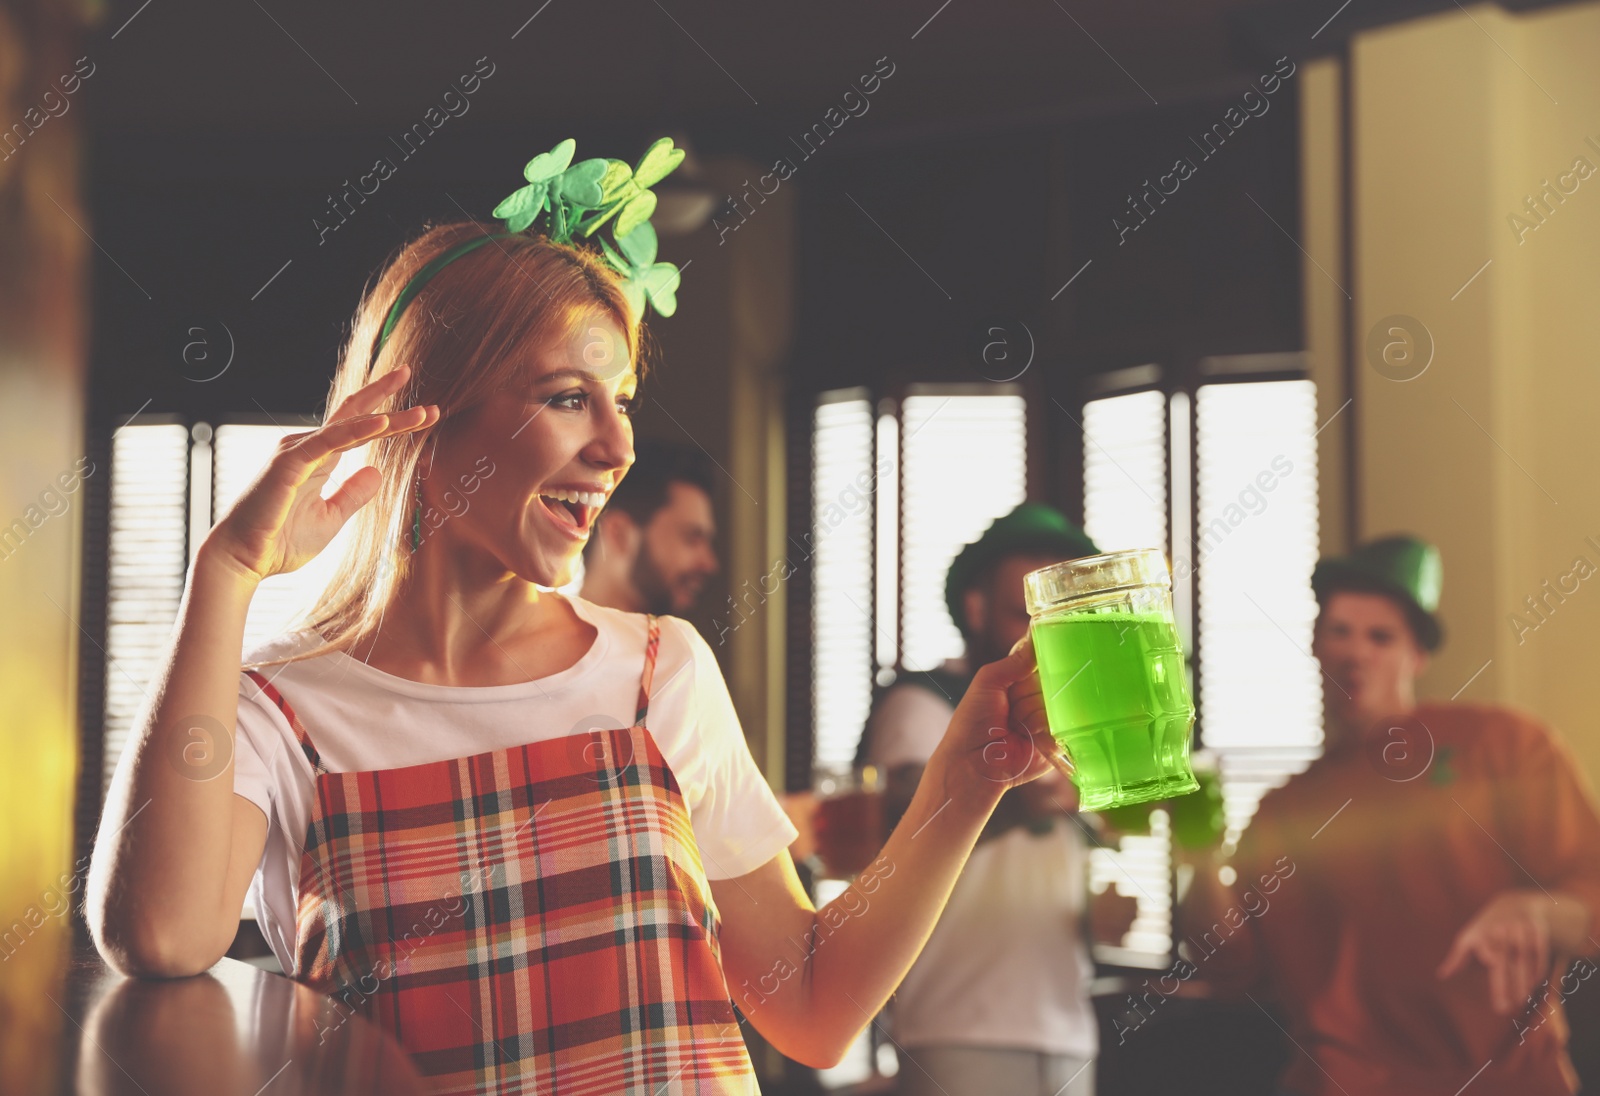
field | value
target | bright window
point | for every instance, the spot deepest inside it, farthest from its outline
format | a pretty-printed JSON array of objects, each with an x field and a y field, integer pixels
[
  {"x": 241, "y": 452},
  {"x": 146, "y": 566},
  {"x": 842, "y": 593},
  {"x": 1125, "y": 506},
  {"x": 965, "y": 465},
  {"x": 1244, "y": 572},
  {"x": 1125, "y": 471},
  {"x": 1255, "y": 545},
  {"x": 169, "y": 484},
  {"x": 883, "y": 536}
]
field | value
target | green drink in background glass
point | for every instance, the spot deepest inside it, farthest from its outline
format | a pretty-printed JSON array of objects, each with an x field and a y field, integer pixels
[{"x": 1115, "y": 686}]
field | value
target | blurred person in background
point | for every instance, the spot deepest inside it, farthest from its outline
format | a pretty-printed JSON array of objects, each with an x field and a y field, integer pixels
[
  {"x": 651, "y": 550},
  {"x": 998, "y": 1002},
  {"x": 1411, "y": 899}
]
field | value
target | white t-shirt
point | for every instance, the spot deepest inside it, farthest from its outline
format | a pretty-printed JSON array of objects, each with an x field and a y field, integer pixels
[
  {"x": 361, "y": 719},
  {"x": 1006, "y": 965}
]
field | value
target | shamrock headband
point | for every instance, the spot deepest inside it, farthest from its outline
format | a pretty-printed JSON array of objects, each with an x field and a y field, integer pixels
[{"x": 580, "y": 198}]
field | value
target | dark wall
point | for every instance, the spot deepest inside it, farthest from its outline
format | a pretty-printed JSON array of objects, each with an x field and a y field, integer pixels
[
  {"x": 1206, "y": 270},
  {"x": 905, "y": 253},
  {"x": 976, "y": 239},
  {"x": 1000, "y": 223}
]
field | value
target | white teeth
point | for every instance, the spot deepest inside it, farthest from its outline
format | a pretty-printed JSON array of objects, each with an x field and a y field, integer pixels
[{"x": 593, "y": 499}]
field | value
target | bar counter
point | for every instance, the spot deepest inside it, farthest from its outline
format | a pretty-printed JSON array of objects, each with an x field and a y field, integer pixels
[{"x": 234, "y": 1029}]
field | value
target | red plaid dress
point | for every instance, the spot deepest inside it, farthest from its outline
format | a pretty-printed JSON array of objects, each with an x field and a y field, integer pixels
[{"x": 533, "y": 919}]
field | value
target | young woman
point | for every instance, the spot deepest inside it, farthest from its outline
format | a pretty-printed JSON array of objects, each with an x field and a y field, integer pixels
[{"x": 521, "y": 830}]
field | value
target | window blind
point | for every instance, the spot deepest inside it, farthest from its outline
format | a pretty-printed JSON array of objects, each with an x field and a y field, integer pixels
[{"x": 965, "y": 465}]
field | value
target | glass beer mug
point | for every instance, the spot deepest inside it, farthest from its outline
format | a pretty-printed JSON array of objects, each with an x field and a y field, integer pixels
[
  {"x": 1116, "y": 691},
  {"x": 848, "y": 823}
]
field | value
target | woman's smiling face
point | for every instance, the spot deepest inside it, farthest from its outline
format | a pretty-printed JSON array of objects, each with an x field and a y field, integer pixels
[{"x": 544, "y": 460}]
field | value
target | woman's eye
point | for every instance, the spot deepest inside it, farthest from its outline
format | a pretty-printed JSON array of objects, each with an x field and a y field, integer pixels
[{"x": 576, "y": 401}]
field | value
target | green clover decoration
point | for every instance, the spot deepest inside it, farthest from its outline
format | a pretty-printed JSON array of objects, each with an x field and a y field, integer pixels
[
  {"x": 643, "y": 277},
  {"x": 582, "y": 197}
]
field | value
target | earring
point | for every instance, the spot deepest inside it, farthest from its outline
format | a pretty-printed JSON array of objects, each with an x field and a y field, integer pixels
[{"x": 416, "y": 519}]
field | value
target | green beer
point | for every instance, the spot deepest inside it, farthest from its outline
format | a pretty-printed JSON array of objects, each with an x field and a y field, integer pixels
[
  {"x": 1199, "y": 818},
  {"x": 1116, "y": 692}
]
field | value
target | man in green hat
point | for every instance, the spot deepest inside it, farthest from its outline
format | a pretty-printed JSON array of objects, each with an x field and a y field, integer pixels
[
  {"x": 1432, "y": 874},
  {"x": 997, "y": 1003}
]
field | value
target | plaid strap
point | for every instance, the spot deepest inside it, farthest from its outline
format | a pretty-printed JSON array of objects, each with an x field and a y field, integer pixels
[
  {"x": 651, "y": 645},
  {"x": 300, "y": 735}
]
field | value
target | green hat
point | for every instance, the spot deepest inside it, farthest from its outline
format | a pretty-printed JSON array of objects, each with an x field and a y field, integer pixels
[
  {"x": 1403, "y": 567},
  {"x": 1031, "y": 529}
]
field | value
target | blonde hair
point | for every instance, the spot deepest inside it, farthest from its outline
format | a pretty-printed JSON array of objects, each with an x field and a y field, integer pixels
[{"x": 468, "y": 335}]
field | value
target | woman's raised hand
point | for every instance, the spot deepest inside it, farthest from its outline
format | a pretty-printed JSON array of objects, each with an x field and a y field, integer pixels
[
  {"x": 281, "y": 522},
  {"x": 999, "y": 737}
]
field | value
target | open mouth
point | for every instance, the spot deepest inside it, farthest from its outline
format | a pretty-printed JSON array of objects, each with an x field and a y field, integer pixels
[{"x": 572, "y": 512}]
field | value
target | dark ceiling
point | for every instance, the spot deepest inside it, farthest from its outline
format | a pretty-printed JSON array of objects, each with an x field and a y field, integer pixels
[
  {"x": 221, "y": 135},
  {"x": 727, "y": 73},
  {"x": 729, "y": 77}
]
